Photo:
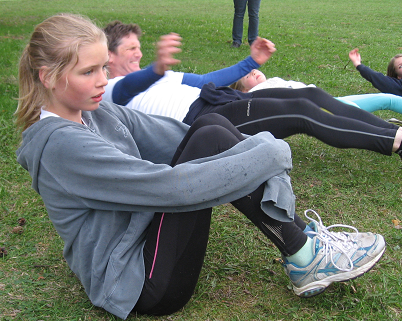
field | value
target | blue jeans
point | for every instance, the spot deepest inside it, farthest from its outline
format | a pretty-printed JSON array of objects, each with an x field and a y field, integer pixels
[{"x": 239, "y": 10}]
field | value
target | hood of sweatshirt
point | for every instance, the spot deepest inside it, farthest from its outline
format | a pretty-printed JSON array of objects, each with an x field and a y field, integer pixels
[{"x": 33, "y": 143}]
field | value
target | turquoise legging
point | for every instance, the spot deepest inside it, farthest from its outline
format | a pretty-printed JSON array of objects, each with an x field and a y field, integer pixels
[{"x": 373, "y": 102}]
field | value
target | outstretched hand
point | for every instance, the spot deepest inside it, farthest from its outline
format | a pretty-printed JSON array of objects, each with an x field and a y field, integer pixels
[
  {"x": 355, "y": 57},
  {"x": 261, "y": 50},
  {"x": 166, "y": 47}
]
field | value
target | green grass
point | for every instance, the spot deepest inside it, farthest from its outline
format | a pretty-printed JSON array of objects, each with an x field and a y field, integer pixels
[{"x": 240, "y": 279}]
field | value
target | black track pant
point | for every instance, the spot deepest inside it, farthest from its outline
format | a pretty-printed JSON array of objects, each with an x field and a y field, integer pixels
[
  {"x": 176, "y": 242},
  {"x": 285, "y": 112}
]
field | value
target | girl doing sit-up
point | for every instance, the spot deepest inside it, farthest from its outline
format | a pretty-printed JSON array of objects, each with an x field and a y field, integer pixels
[{"x": 131, "y": 194}]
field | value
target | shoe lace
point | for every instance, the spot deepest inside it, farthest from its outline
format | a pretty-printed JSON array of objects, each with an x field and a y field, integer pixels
[{"x": 334, "y": 242}]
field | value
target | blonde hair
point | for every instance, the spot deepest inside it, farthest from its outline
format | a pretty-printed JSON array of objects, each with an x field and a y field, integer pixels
[
  {"x": 238, "y": 85},
  {"x": 391, "y": 67},
  {"x": 54, "y": 44}
]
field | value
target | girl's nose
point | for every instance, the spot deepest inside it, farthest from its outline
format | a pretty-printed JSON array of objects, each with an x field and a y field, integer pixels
[{"x": 102, "y": 81}]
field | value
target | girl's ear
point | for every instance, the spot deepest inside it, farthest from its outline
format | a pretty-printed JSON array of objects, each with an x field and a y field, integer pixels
[{"x": 43, "y": 76}]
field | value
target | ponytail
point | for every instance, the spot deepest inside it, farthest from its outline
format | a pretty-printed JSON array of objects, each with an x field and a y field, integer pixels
[{"x": 31, "y": 93}]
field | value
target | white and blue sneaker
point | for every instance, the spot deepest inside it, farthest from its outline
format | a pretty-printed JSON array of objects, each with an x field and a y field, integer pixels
[{"x": 338, "y": 256}]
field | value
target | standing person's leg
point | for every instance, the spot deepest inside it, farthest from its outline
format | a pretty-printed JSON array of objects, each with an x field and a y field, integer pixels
[
  {"x": 326, "y": 101},
  {"x": 253, "y": 7},
  {"x": 237, "y": 30}
]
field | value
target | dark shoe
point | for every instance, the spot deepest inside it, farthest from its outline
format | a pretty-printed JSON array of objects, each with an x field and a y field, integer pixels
[
  {"x": 235, "y": 44},
  {"x": 399, "y": 152}
]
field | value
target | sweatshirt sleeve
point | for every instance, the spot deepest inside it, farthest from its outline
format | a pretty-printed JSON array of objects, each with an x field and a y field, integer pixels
[
  {"x": 133, "y": 84},
  {"x": 222, "y": 77},
  {"x": 103, "y": 177},
  {"x": 383, "y": 83}
]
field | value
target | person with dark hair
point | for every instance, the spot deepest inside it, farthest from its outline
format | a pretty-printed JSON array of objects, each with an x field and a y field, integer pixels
[
  {"x": 124, "y": 48},
  {"x": 391, "y": 83},
  {"x": 126, "y": 75},
  {"x": 281, "y": 111}
]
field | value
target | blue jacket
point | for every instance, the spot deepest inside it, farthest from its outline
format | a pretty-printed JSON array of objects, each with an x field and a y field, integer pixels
[{"x": 383, "y": 83}]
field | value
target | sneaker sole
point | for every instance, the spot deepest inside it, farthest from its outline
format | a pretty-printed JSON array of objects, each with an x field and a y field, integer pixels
[{"x": 318, "y": 287}]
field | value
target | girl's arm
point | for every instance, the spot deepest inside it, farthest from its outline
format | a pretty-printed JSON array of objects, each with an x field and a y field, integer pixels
[
  {"x": 383, "y": 83},
  {"x": 104, "y": 177}
]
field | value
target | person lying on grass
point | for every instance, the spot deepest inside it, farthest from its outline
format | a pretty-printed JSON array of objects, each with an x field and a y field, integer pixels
[
  {"x": 131, "y": 194},
  {"x": 283, "y": 112},
  {"x": 256, "y": 80},
  {"x": 156, "y": 82}
]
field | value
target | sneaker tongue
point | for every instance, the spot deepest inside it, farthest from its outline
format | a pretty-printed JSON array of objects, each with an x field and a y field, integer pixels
[{"x": 314, "y": 226}]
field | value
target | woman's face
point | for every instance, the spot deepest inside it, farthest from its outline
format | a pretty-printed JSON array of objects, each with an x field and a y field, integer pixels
[
  {"x": 81, "y": 86},
  {"x": 398, "y": 67},
  {"x": 252, "y": 79}
]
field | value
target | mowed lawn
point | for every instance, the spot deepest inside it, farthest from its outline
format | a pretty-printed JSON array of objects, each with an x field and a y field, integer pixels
[{"x": 241, "y": 279}]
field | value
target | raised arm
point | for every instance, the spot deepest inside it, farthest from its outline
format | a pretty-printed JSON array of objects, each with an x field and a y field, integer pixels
[
  {"x": 383, "y": 83},
  {"x": 260, "y": 51},
  {"x": 355, "y": 57}
]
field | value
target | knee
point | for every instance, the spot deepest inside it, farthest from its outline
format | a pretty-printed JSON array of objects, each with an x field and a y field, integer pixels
[
  {"x": 313, "y": 91},
  {"x": 211, "y": 119},
  {"x": 213, "y": 139},
  {"x": 253, "y": 12},
  {"x": 213, "y": 133}
]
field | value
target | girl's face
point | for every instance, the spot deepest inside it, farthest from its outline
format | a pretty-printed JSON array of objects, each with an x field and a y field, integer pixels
[
  {"x": 398, "y": 67},
  {"x": 81, "y": 86},
  {"x": 252, "y": 79}
]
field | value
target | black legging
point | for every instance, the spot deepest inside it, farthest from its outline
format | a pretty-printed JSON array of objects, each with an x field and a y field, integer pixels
[
  {"x": 176, "y": 242},
  {"x": 312, "y": 111}
]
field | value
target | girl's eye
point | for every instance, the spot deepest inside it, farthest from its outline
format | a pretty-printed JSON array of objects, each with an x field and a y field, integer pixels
[{"x": 88, "y": 72}]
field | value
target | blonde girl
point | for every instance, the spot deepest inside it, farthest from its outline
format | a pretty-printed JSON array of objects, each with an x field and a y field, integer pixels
[{"x": 131, "y": 194}]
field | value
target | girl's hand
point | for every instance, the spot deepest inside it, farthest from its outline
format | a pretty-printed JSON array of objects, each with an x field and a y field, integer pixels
[{"x": 355, "y": 57}]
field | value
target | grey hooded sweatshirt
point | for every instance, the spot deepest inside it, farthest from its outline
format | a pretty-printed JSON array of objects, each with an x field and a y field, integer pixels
[{"x": 101, "y": 185}]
